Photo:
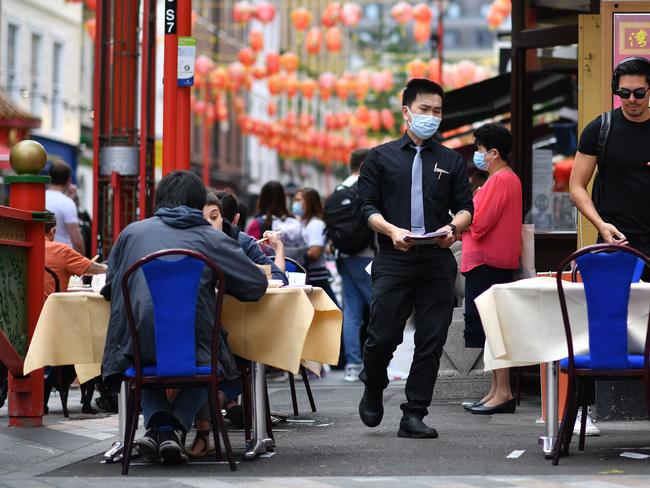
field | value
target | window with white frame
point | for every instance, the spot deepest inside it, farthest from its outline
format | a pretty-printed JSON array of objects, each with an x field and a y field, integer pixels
[
  {"x": 12, "y": 61},
  {"x": 35, "y": 95},
  {"x": 57, "y": 102}
]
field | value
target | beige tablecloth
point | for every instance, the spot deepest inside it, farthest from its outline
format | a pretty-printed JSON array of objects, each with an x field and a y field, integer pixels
[
  {"x": 523, "y": 321},
  {"x": 286, "y": 326}
]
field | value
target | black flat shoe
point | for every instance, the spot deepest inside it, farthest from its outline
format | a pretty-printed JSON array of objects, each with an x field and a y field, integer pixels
[
  {"x": 413, "y": 427},
  {"x": 468, "y": 405},
  {"x": 371, "y": 408},
  {"x": 506, "y": 407}
]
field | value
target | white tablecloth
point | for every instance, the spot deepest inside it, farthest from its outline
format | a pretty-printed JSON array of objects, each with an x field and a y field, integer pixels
[{"x": 523, "y": 321}]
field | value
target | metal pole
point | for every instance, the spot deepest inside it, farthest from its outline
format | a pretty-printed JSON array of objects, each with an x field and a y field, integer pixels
[
  {"x": 183, "y": 95},
  {"x": 144, "y": 108},
  {"x": 441, "y": 33},
  {"x": 548, "y": 441},
  {"x": 260, "y": 441},
  {"x": 170, "y": 74}
]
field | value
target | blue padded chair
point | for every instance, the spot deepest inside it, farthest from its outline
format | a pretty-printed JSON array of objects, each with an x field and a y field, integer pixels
[
  {"x": 607, "y": 271},
  {"x": 173, "y": 286}
]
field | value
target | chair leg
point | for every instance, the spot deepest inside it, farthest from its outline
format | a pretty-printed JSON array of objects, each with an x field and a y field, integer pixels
[
  {"x": 269, "y": 421},
  {"x": 213, "y": 402},
  {"x": 294, "y": 400},
  {"x": 305, "y": 379},
  {"x": 559, "y": 441},
  {"x": 224, "y": 433},
  {"x": 132, "y": 414},
  {"x": 63, "y": 391},
  {"x": 584, "y": 406}
]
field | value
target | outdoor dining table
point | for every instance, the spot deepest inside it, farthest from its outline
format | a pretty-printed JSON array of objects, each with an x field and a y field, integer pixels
[
  {"x": 287, "y": 327},
  {"x": 523, "y": 326}
]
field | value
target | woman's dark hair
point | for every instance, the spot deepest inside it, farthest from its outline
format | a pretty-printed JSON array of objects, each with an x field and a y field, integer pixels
[
  {"x": 494, "y": 136},
  {"x": 180, "y": 188},
  {"x": 60, "y": 172},
  {"x": 212, "y": 199},
  {"x": 313, "y": 205},
  {"x": 419, "y": 86},
  {"x": 229, "y": 203},
  {"x": 272, "y": 201}
]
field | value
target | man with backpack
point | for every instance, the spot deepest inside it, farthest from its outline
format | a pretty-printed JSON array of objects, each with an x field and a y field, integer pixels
[{"x": 353, "y": 240}]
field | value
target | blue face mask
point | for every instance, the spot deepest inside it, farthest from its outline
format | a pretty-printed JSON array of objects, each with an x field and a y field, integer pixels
[
  {"x": 297, "y": 210},
  {"x": 479, "y": 161},
  {"x": 423, "y": 126}
]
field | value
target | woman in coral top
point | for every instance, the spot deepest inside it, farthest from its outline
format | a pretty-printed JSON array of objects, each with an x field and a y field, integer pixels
[{"x": 491, "y": 248}]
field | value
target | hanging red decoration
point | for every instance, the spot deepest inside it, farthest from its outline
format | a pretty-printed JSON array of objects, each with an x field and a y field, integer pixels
[
  {"x": 265, "y": 12},
  {"x": 290, "y": 62},
  {"x": 258, "y": 72},
  {"x": 308, "y": 88},
  {"x": 334, "y": 39},
  {"x": 237, "y": 73},
  {"x": 422, "y": 13},
  {"x": 351, "y": 14},
  {"x": 272, "y": 63},
  {"x": 374, "y": 120},
  {"x": 242, "y": 12},
  {"x": 416, "y": 69},
  {"x": 91, "y": 4},
  {"x": 313, "y": 40},
  {"x": 331, "y": 14},
  {"x": 434, "y": 70},
  {"x": 219, "y": 78},
  {"x": 301, "y": 18},
  {"x": 256, "y": 40},
  {"x": 203, "y": 64},
  {"x": 402, "y": 12},
  {"x": 422, "y": 32},
  {"x": 91, "y": 28},
  {"x": 271, "y": 109},
  {"x": 197, "y": 106},
  {"x": 275, "y": 84},
  {"x": 247, "y": 56},
  {"x": 387, "y": 119},
  {"x": 342, "y": 89},
  {"x": 292, "y": 84}
]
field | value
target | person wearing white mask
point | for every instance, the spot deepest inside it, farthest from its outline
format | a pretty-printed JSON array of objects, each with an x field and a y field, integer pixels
[{"x": 408, "y": 187}]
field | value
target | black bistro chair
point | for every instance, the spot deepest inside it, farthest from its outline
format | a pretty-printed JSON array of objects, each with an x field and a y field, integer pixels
[
  {"x": 607, "y": 272},
  {"x": 173, "y": 285}
]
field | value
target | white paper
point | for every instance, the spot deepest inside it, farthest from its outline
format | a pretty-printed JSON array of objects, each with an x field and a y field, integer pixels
[
  {"x": 296, "y": 279},
  {"x": 515, "y": 454},
  {"x": 634, "y": 455}
]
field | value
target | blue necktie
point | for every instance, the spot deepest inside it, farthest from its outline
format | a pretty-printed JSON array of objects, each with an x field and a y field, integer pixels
[{"x": 417, "y": 203}]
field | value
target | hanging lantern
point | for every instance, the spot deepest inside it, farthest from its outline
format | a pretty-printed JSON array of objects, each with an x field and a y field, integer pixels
[
  {"x": 402, "y": 13},
  {"x": 91, "y": 4},
  {"x": 258, "y": 72},
  {"x": 290, "y": 62},
  {"x": 416, "y": 69},
  {"x": 422, "y": 32},
  {"x": 362, "y": 114},
  {"x": 271, "y": 109},
  {"x": 333, "y": 39},
  {"x": 374, "y": 120},
  {"x": 91, "y": 28},
  {"x": 238, "y": 105},
  {"x": 351, "y": 14},
  {"x": 247, "y": 56},
  {"x": 308, "y": 88},
  {"x": 465, "y": 70},
  {"x": 326, "y": 84},
  {"x": 434, "y": 70},
  {"x": 210, "y": 113},
  {"x": 203, "y": 64},
  {"x": 275, "y": 84},
  {"x": 272, "y": 63},
  {"x": 422, "y": 13},
  {"x": 387, "y": 119},
  {"x": 331, "y": 14},
  {"x": 198, "y": 107},
  {"x": 314, "y": 40},
  {"x": 256, "y": 40},
  {"x": 237, "y": 73},
  {"x": 292, "y": 85},
  {"x": 219, "y": 78},
  {"x": 361, "y": 88},
  {"x": 265, "y": 12},
  {"x": 300, "y": 18},
  {"x": 242, "y": 12},
  {"x": 343, "y": 120},
  {"x": 341, "y": 87}
]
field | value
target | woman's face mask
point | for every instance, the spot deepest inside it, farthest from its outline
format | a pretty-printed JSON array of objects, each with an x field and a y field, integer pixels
[
  {"x": 297, "y": 210},
  {"x": 480, "y": 162}
]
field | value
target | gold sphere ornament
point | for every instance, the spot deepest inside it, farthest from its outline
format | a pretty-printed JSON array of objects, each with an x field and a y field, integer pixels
[{"x": 28, "y": 157}]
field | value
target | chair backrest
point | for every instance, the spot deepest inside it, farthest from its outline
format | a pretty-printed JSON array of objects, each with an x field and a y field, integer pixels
[
  {"x": 53, "y": 275},
  {"x": 293, "y": 266},
  {"x": 173, "y": 285},
  {"x": 607, "y": 272}
]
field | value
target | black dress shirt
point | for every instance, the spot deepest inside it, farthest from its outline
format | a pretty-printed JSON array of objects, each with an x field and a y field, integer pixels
[{"x": 385, "y": 184}]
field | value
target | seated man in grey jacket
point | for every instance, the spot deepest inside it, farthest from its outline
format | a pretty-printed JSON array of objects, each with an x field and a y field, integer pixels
[{"x": 178, "y": 222}]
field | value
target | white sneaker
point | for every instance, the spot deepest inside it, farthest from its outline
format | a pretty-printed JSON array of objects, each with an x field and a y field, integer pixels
[
  {"x": 352, "y": 372},
  {"x": 590, "y": 430}
]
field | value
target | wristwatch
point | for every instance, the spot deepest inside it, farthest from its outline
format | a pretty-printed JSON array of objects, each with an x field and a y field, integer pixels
[{"x": 453, "y": 228}]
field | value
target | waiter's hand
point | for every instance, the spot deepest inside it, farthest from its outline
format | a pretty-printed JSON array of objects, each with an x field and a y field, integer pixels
[
  {"x": 445, "y": 242},
  {"x": 397, "y": 235},
  {"x": 611, "y": 235}
]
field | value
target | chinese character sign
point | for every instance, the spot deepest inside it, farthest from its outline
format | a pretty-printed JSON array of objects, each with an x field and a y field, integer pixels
[{"x": 630, "y": 39}]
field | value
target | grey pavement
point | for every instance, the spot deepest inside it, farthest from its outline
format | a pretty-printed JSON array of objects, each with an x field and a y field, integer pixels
[{"x": 336, "y": 450}]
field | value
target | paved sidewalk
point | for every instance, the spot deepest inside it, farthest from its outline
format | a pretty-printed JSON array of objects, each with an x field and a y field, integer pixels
[{"x": 336, "y": 450}]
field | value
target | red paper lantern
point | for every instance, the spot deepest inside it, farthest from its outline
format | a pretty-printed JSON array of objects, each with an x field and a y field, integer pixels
[
  {"x": 256, "y": 40},
  {"x": 351, "y": 14},
  {"x": 331, "y": 14},
  {"x": 197, "y": 106},
  {"x": 272, "y": 63},
  {"x": 237, "y": 73},
  {"x": 238, "y": 104},
  {"x": 300, "y": 18},
  {"x": 465, "y": 72},
  {"x": 362, "y": 114},
  {"x": 416, "y": 69},
  {"x": 402, "y": 12},
  {"x": 242, "y": 12},
  {"x": 314, "y": 40},
  {"x": 258, "y": 72},
  {"x": 91, "y": 28},
  {"x": 434, "y": 70},
  {"x": 387, "y": 119},
  {"x": 271, "y": 109},
  {"x": 219, "y": 78},
  {"x": 91, "y": 4},
  {"x": 374, "y": 120},
  {"x": 333, "y": 39},
  {"x": 342, "y": 88},
  {"x": 422, "y": 32},
  {"x": 422, "y": 13},
  {"x": 308, "y": 88},
  {"x": 247, "y": 56},
  {"x": 275, "y": 84},
  {"x": 290, "y": 61},
  {"x": 265, "y": 12},
  {"x": 292, "y": 85},
  {"x": 203, "y": 64}
]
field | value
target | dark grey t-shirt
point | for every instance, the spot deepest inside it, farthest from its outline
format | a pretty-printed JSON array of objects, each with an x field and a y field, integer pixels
[{"x": 625, "y": 199}]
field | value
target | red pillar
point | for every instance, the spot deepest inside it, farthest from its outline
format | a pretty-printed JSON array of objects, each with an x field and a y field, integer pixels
[
  {"x": 206, "y": 146},
  {"x": 170, "y": 89},
  {"x": 26, "y": 393},
  {"x": 184, "y": 92}
]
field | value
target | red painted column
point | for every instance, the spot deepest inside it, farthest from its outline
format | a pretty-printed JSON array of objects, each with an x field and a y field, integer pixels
[
  {"x": 205, "y": 145},
  {"x": 170, "y": 89},
  {"x": 25, "y": 394},
  {"x": 183, "y": 114}
]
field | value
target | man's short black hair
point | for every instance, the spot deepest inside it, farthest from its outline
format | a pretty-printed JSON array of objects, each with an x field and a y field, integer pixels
[
  {"x": 212, "y": 199},
  {"x": 229, "y": 203},
  {"x": 418, "y": 86},
  {"x": 60, "y": 172},
  {"x": 357, "y": 158},
  {"x": 180, "y": 188},
  {"x": 633, "y": 66},
  {"x": 494, "y": 136}
]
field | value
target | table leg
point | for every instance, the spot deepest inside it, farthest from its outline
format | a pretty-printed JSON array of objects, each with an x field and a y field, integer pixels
[
  {"x": 551, "y": 401},
  {"x": 260, "y": 441},
  {"x": 114, "y": 454}
]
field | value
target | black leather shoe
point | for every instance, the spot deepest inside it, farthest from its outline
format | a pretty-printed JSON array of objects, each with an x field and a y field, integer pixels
[
  {"x": 412, "y": 426},
  {"x": 371, "y": 408},
  {"x": 506, "y": 407},
  {"x": 468, "y": 405}
]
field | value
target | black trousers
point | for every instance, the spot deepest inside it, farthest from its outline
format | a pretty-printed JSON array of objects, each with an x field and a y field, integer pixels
[{"x": 422, "y": 278}]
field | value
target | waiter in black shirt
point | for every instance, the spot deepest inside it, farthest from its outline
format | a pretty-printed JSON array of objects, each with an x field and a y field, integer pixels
[{"x": 408, "y": 187}]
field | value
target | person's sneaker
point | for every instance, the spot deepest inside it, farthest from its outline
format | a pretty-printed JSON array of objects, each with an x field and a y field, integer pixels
[
  {"x": 148, "y": 445},
  {"x": 352, "y": 372},
  {"x": 170, "y": 446},
  {"x": 590, "y": 429}
]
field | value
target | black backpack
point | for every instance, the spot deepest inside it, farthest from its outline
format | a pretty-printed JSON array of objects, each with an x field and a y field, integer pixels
[
  {"x": 345, "y": 226},
  {"x": 601, "y": 144}
]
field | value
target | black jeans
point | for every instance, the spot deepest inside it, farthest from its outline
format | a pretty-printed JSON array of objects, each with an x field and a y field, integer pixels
[{"x": 422, "y": 278}]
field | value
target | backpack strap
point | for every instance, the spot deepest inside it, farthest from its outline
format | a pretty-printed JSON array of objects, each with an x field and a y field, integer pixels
[{"x": 603, "y": 135}]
